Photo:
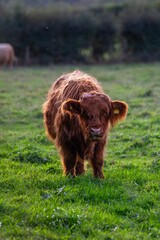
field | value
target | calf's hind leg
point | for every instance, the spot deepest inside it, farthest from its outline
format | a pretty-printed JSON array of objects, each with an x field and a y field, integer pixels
[{"x": 68, "y": 162}]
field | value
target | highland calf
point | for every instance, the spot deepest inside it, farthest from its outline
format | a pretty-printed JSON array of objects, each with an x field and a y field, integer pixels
[{"x": 77, "y": 117}]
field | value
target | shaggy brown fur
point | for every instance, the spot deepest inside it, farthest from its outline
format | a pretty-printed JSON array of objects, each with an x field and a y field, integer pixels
[
  {"x": 77, "y": 117},
  {"x": 7, "y": 55}
]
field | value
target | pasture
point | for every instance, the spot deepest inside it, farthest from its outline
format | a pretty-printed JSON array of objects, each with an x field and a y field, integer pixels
[{"x": 37, "y": 202}]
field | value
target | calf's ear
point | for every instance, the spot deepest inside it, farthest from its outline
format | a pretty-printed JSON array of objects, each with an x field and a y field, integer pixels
[
  {"x": 72, "y": 106},
  {"x": 118, "y": 112}
]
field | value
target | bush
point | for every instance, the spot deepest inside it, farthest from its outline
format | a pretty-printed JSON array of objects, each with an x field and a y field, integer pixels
[
  {"x": 61, "y": 36},
  {"x": 78, "y": 35},
  {"x": 14, "y": 30},
  {"x": 140, "y": 32},
  {"x": 104, "y": 35}
]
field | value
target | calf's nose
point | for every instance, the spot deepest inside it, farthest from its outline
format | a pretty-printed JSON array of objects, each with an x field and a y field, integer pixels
[{"x": 96, "y": 132}]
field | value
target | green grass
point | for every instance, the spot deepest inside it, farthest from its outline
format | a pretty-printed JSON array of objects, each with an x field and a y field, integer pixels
[{"x": 37, "y": 202}]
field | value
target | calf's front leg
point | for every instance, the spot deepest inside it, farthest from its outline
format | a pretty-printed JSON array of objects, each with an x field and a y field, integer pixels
[
  {"x": 79, "y": 166},
  {"x": 97, "y": 165},
  {"x": 97, "y": 160}
]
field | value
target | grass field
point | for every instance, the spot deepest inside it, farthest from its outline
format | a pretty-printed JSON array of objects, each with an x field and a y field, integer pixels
[{"x": 37, "y": 202}]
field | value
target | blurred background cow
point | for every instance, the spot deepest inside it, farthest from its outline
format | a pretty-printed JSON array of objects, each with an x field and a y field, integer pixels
[{"x": 7, "y": 55}]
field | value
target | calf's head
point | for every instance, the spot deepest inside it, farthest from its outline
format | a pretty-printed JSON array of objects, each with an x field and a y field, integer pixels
[{"x": 96, "y": 113}]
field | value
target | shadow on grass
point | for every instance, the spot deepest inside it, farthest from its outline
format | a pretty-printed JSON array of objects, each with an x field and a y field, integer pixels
[{"x": 30, "y": 154}]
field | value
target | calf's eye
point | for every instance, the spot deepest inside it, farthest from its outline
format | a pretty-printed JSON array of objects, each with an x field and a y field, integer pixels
[
  {"x": 104, "y": 114},
  {"x": 85, "y": 115}
]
